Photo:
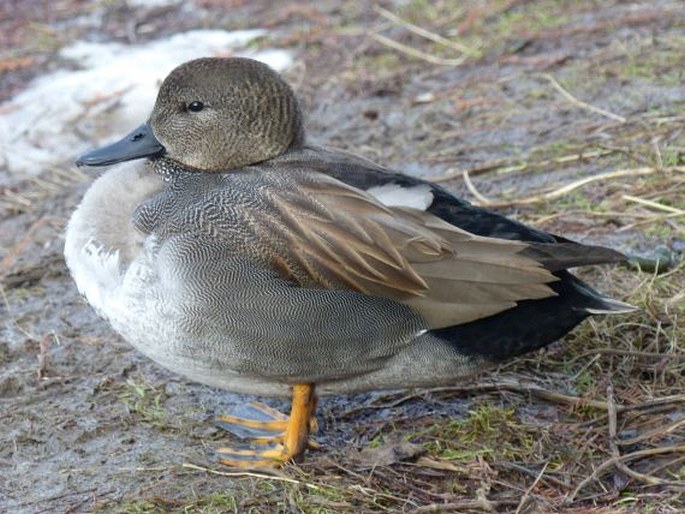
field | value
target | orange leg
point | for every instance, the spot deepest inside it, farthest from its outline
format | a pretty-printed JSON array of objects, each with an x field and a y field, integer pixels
[
  {"x": 301, "y": 412},
  {"x": 287, "y": 438}
]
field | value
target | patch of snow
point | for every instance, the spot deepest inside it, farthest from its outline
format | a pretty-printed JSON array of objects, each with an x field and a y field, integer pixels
[{"x": 65, "y": 113}]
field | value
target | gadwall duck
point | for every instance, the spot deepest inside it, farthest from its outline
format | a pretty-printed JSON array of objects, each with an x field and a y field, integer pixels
[{"x": 241, "y": 257}]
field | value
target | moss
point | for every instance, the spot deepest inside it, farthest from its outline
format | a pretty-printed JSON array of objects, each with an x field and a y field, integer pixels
[
  {"x": 488, "y": 432},
  {"x": 146, "y": 401}
]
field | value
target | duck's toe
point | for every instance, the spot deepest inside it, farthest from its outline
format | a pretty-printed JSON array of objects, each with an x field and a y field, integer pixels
[
  {"x": 275, "y": 455},
  {"x": 254, "y": 421},
  {"x": 281, "y": 438}
]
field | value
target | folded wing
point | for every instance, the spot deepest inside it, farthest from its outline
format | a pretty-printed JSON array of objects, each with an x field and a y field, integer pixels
[{"x": 338, "y": 237}]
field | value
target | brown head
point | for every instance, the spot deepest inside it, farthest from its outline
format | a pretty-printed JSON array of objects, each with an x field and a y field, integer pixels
[{"x": 214, "y": 114}]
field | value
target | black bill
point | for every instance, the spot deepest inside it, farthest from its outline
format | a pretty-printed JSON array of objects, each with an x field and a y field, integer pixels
[{"x": 138, "y": 144}]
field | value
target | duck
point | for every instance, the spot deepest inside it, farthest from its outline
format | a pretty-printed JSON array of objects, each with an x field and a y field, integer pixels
[{"x": 229, "y": 250}]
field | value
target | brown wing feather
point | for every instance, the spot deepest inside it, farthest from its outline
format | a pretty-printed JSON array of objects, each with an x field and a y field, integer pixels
[{"x": 336, "y": 236}]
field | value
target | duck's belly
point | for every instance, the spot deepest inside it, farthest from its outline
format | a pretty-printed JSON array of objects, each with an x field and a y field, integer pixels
[
  {"x": 138, "y": 307},
  {"x": 160, "y": 323}
]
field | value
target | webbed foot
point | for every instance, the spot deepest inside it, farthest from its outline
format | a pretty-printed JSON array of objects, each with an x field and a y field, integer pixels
[{"x": 280, "y": 438}]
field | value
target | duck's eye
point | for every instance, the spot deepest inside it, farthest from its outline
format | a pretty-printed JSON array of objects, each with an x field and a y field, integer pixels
[{"x": 195, "y": 106}]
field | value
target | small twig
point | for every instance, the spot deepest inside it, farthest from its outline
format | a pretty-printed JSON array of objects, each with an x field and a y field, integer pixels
[
  {"x": 427, "y": 34},
  {"x": 673, "y": 464},
  {"x": 418, "y": 53},
  {"x": 652, "y": 219},
  {"x": 580, "y": 103},
  {"x": 613, "y": 446},
  {"x": 472, "y": 189},
  {"x": 654, "y": 205},
  {"x": 630, "y": 152},
  {"x": 452, "y": 173},
  {"x": 656, "y": 402},
  {"x": 623, "y": 458},
  {"x": 504, "y": 166},
  {"x": 248, "y": 474},
  {"x": 43, "y": 350},
  {"x": 628, "y": 353},
  {"x": 529, "y": 472},
  {"x": 679, "y": 297},
  {"x": 526, "y": 495},
  {"x": 656, "y": 432},
  {"x": 557, "y": 193},
  {"x": 514, "y": 385},
  {"x": 440, "y": 464},
  {"x": 462, "y": 506},
  {"x": 527, "y": 387}
]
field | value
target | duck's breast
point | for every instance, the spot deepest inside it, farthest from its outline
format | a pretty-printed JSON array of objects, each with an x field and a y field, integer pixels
[{"x": 103, "y": 249}]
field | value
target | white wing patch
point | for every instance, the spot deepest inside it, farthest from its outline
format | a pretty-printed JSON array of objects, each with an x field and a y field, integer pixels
[{"x": 394, "y": 195}]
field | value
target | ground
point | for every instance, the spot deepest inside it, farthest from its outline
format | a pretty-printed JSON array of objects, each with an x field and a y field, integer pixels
[{"x": 567, "y": 115}]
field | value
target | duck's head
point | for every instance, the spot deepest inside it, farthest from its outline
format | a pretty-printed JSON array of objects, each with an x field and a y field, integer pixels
[{"x": 213, "y": 114}]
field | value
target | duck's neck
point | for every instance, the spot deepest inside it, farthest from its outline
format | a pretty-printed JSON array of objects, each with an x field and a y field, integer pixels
[{"x": 168, "y": 168}]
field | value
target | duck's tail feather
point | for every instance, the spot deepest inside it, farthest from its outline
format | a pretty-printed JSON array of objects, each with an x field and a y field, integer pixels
[
  {"x": 611, "y": 306},
  {"x": 567, "y": 254},
  {"x": 595, "y": 302},
  {"x": 532, "y": 324}
]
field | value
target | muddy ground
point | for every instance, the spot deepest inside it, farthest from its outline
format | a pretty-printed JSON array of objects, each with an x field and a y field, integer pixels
[{"x": 546, "y": 93}]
